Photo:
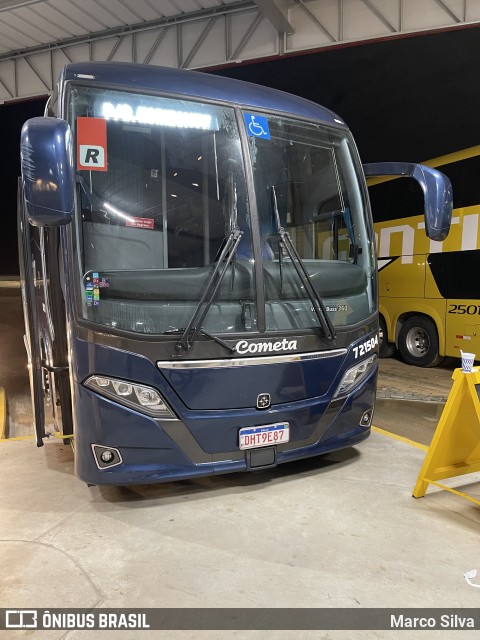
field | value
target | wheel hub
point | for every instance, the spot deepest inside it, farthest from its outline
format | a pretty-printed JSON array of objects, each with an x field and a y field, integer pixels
[{"x": 417, "y": 342}]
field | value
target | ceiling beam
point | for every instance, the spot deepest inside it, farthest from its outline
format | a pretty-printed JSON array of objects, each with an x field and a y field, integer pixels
[
  {"x": 191, "y": 16},
  {"x": 276, "y": 11}
]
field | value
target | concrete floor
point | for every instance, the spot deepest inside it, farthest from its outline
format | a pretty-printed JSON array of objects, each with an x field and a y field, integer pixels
[
  {"x": 13, "y": 361},
  {"x": 410, "y": 400},
  {"x": 337, "y": 531}
]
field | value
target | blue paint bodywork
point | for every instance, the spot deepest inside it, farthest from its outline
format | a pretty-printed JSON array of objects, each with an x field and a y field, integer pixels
[
  {"x": 47, "y": 170},
  {"x": 155, "y": 450},
  {"x": 211, "y": 405},
  {"x": 147, "y": 78},
  {"x": 436, "y": 187},
  {"x": 205, "y": 439}
]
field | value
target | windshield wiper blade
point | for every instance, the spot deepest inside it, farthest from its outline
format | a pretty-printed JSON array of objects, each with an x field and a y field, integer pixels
[
  {"x": 194, "y": 327},
  {"x": 206, "y": 333},
  {"x": 316, "y": 300}
]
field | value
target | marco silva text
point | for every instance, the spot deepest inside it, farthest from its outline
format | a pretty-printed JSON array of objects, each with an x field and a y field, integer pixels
[{"x": 440, "y": 621}]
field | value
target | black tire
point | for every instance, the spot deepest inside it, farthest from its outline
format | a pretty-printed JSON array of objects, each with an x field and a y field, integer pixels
[
  {"x": 386, "y": 348},
  {"x": 418, "y": 342}
]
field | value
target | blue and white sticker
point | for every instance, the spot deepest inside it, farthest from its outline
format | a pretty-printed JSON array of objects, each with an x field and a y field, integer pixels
[{"x": 257, "y": 126}]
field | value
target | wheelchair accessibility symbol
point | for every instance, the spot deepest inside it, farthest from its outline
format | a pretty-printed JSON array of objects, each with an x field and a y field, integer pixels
[{"x": 257, "y": 126}]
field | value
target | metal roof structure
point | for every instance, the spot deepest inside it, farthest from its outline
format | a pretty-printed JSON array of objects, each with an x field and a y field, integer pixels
[{"x": 37, "y": 37}]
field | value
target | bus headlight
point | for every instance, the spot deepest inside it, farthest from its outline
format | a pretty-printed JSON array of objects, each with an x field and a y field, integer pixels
[
  {"x": 137, "y": 396},
  {"x": 355, "y": 375}
]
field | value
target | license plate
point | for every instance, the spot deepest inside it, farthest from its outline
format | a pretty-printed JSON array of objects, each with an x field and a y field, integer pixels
[{"x": 264, "y": 436}]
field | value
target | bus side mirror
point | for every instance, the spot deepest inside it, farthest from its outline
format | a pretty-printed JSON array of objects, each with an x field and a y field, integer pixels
[
  {"x": 437, "y": 191},
  {"x": 47, "y": 171}
]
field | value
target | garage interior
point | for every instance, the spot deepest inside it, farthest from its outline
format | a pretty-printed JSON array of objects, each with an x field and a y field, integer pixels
[
  {"x": 337, "y": 531},
  {"x": 340, "y": 530}
]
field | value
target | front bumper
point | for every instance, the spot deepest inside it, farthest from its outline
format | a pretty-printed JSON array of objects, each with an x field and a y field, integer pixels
[{"x": 154, "y": 450}]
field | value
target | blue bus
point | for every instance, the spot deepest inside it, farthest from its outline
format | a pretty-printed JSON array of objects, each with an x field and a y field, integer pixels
[{"x": 198, "y": 273}]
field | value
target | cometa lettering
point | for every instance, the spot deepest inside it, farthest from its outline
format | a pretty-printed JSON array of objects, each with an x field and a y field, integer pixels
[{"x": 242, "y": 347}]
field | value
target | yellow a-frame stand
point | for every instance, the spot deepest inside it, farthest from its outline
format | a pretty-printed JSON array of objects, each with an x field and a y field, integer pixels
[{"x": 455, "y": 447}]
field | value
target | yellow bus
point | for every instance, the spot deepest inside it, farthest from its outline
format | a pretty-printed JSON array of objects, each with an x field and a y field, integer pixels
[{"x": 429, "y": 291}]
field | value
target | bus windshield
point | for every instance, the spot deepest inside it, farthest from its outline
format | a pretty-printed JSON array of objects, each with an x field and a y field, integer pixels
[
  {"x": 308, "y": 184},
  {"x": 165, "y": 188}
]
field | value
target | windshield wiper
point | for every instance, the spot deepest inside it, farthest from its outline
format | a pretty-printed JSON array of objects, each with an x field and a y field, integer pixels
[
  {"x": 286, "y": 242},
  {"x": 227, "y": 257},
  {"x": 203, "y": 332},
  {"x": 194, "y": 327}
]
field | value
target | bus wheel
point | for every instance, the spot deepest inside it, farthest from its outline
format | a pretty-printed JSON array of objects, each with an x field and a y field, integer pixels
[
  {"x": 418, "y": 342},
  {"x": 386, "y": 348}
]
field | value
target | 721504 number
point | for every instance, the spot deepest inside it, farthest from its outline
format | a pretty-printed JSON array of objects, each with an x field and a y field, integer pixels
[{"x": 365, "y": 347}]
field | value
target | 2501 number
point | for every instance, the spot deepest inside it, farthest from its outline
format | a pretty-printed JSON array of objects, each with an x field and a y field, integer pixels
[
  {"x": 469, "y": 309},
  {"x": 365, "y": 347}
]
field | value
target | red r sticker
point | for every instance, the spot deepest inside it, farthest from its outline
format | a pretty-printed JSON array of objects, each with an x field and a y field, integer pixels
[{"x": 92, "y": 144}]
